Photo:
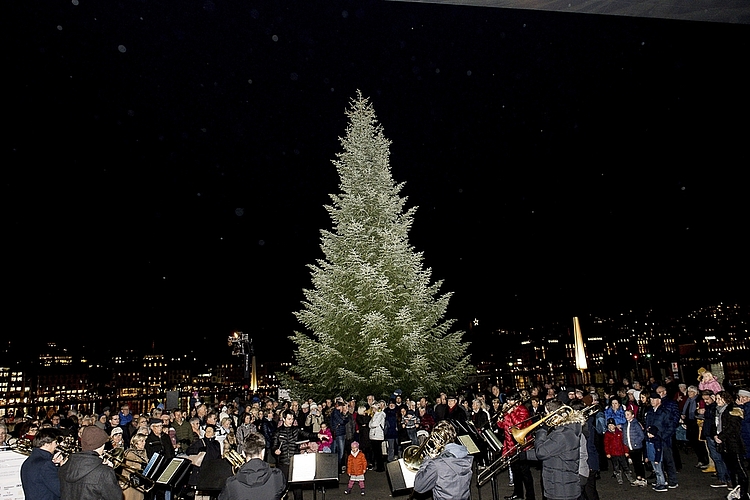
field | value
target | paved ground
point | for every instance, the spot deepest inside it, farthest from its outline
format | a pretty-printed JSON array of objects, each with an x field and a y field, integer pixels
[{"x": 693, "y": 485}]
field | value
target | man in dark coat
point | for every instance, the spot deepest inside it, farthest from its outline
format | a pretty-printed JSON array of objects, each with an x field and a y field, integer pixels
[
  {"x": 662, "y": 418},
  {"x": 158, "y": 442},
  {"x": 255, "y": 479},
  {"x": 84, "y": 476},
  {"x": 38, "y": 473},
  {"x": 286, "y": 444}
]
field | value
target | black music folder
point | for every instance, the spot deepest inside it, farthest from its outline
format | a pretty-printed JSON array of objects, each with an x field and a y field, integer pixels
[{"x": 314, "y": 467}]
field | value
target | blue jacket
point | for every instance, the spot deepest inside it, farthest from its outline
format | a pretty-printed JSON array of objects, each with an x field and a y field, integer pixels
[
  {"x": 632, "y": 435},
  {"x": 654, "y": 445},
  {"x": 39, "y": 476},
  {"x": 660, "y": 419},
  {"x": 618, "y": 416},
  {"x": 338, "y": 422},
  {"x": 673, "y": 412}
]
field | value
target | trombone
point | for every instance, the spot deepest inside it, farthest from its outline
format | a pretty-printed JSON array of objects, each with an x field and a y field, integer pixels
[
  {"x": 523, "y": 442},
  {"x": 127, "y": 475}
]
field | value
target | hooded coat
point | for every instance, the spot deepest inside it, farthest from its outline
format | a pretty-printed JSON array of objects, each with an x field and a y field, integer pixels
[
  {"x": 559, "y": 451},
  {"x": 85, "y": 477},
  {"x": 448, "y": 475},
  {"x": 255, "y": 479}
]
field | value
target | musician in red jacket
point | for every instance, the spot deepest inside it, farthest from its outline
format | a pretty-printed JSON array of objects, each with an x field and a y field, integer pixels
[{"x": 517, "y": 415}]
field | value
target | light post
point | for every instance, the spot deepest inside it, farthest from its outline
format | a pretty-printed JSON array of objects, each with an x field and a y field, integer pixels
[{"x": 242, "y": 345}]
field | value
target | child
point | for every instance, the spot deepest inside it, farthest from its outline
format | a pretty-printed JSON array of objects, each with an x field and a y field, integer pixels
[
  {"x": 616, "y": 451},
  {"x": 633, "y": 437},
  {"x": 326, "y": 438},
  {"x": 356, "y": 468},
  {"x": 653, "y": 449}
]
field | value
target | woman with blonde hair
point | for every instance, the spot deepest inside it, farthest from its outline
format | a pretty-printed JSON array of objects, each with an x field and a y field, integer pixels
[{"x": 135, "y": 459}]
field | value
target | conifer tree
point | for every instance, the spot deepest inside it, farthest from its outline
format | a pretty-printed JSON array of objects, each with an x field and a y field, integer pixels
[{"x": 374, "y": 321}]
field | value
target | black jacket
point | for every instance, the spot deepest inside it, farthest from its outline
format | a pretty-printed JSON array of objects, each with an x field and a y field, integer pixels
[
  {"x": 159, "y": 444},
  {"x": 85, "y": 477},
  {"x": 286, "y": 439},
  {"x": 255, "y": 479}
]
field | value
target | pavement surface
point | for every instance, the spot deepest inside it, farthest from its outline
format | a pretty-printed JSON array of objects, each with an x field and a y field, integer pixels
[{"x": 693, "y": 485}]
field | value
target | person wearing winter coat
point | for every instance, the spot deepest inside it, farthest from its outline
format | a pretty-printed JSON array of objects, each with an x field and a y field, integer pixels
[
  {"x": 729, "y": 439},
  {"x": 709, "y": 382},
  {"x": 616, "y": 451},
  {"x": 559, "y": 451},
  {"x": 654, "y": 448},
  {"x": 448, "y": 475},
  {"x": 84, "y": 476},
  {"x": 39, "y": 477},
  {"x": 356, "y": 466},
  {"x": 391, "y": 429},
  {"x": 634, "y": 439},
  {"x": 660, "y": 418},
  {"x": 616, "y": 412},
  {"x": 377, "y": 434},
  {"x": 255, "y": 479},
  {"x": 286, "y": 444},
  {"x": 518, "y": 416}
]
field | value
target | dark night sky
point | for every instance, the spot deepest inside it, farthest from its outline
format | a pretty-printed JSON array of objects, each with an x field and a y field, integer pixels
[{"x": 166, "y": 166}]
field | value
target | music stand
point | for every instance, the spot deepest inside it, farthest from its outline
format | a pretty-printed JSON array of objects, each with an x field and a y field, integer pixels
[
  {"x": 174, "y": 474},
  {"x": 316, "y": 469},
  {"x": 154, "y": 466},
  {"x": 400, "y": 477}
]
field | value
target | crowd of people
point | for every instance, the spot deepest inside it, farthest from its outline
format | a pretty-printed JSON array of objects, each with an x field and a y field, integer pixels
[{"x": 636, "y": 431}]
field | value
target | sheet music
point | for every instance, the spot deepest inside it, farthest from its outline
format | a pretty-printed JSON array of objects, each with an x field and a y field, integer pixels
[
  {"x": 408, "y": 474},
  {"x": 10, "y": 475},
  {"x": 469, "y": 443},
  {"x": 304, "y": 467}
]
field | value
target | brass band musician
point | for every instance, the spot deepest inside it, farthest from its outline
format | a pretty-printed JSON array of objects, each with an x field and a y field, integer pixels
[
  {"x": 84, "y": 476},
  {"x": 255, "y": 478},
  {"x": 448, "y": 475},
  {"x": 38, "y": 472},
  {"x": 559, "y": 451},
  {"x": 517, "y": 416}
]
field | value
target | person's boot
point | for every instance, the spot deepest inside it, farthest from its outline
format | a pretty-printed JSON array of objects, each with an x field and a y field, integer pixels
[
  {"x": 618, "y": 475},
  {"x": 629, "y": 476}
]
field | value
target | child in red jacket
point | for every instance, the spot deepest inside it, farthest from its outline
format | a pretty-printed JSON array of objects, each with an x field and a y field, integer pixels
[
  {"x": 356, "y": 466},
  {"x": 616, "y": 451}
]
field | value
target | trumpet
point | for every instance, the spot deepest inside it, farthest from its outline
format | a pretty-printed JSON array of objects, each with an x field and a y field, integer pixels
[
  {"x": 524, "y": 442},
  {"x": 66, "y": 446}
]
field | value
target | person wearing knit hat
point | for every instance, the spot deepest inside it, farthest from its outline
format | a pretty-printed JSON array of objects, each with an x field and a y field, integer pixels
[
  {"x": 356, "y": 466},
  {"x": 84, "y": 476},
  {"x": 116, "y": 439}
]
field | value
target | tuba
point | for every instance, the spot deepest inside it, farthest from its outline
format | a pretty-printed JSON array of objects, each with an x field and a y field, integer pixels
[
  {"x": 433, "y": 446},
  {"x": 524, "y": 442},
  {"x": 235, "y": 459}
]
